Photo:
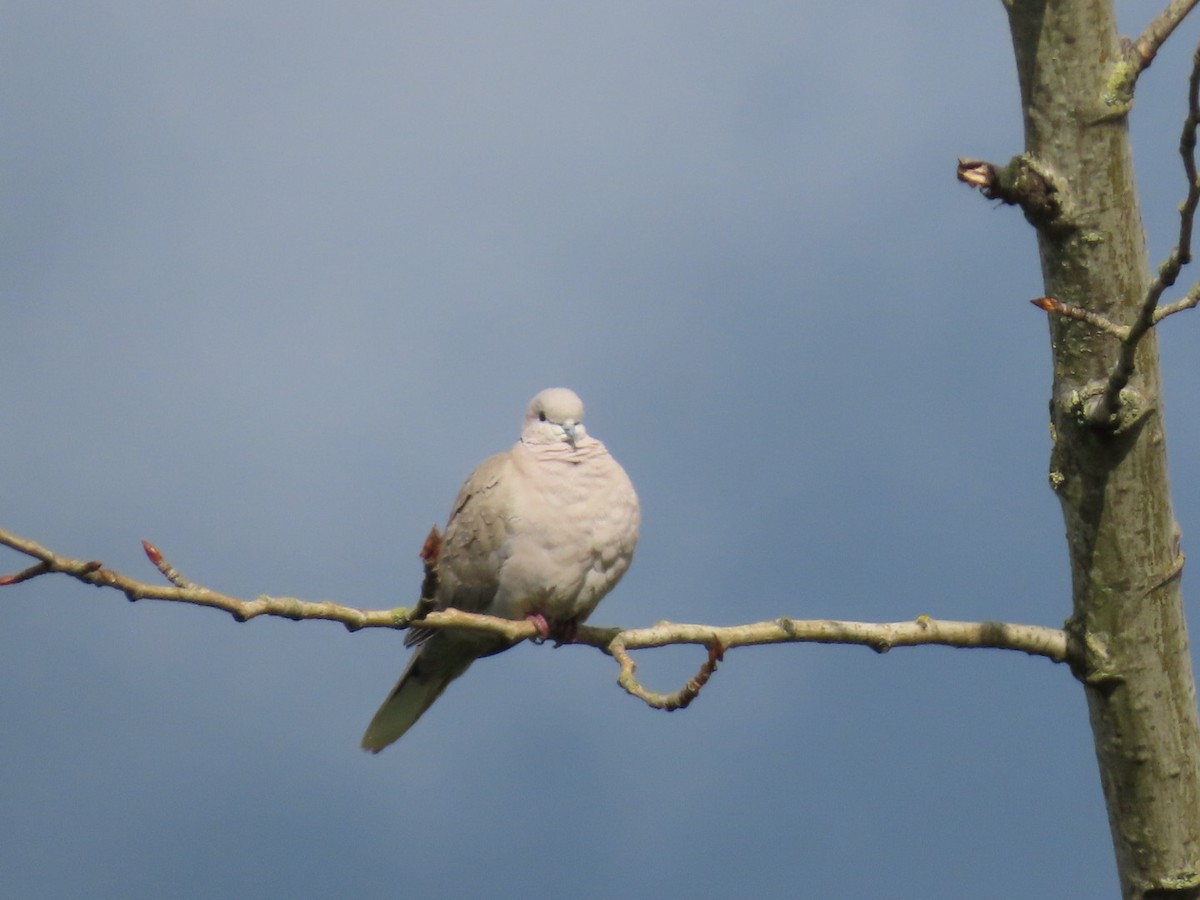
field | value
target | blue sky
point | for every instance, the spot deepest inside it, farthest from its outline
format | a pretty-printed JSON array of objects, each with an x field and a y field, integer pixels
[{"x": 276, "y": 276}]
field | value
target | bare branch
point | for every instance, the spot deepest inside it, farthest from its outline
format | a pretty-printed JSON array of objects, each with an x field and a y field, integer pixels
[
  {"x": 1051, "y": 643},
  {"x": 1182, "y": 254},
  {"x": 1145, "y": 48},
  {"x": 1036, "y": 640}
]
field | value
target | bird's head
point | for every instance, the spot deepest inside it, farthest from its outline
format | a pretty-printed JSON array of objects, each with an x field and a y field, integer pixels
[{"x": 554, "y": 416}]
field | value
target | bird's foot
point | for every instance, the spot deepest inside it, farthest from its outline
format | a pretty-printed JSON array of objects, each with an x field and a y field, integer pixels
[
  {"x": 541, "y": 624},
  {"x": 564, "y": 632}
]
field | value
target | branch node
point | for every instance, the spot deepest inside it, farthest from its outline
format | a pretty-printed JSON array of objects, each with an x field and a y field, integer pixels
[
  {"x": 1023, "y": 182},
  {"x": 1118, "y": 90},
  {"x": 1098, "y": 407}
]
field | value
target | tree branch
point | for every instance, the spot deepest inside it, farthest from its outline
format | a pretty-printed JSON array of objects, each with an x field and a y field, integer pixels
[
  {"x": 1051, "y": 643},
  {"x": 1145, "y": 48},
  {"x": 1182, "y": 254}
]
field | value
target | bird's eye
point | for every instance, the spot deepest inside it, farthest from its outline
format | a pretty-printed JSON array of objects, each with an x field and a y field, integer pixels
[{"x": 542, "y": 416}]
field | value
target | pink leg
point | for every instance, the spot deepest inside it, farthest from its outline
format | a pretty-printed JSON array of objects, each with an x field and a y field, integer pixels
[
  {"x": 543, "y": 626},
  {"x": 561, "y": 632}
]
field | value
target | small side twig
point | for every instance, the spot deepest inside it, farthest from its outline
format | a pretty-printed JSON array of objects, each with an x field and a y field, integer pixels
[
  {"x": 681, "y": 698},
  {"x": 25, "y": 574},
  {"x": 1097, "y": 321}
]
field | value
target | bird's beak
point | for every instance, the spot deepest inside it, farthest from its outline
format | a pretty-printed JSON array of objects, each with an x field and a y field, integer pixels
[{"x": 569, "y": 427}]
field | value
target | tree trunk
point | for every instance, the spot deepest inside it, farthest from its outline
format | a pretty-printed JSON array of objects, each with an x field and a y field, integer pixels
[{"x": 1128, "y": 624}]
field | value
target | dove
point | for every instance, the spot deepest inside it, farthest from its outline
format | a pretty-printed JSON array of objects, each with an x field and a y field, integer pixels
[{"x": 540, "y": 532}]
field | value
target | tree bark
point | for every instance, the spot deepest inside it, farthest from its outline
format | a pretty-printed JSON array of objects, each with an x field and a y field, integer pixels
[{"x": 1111, "y": 475}]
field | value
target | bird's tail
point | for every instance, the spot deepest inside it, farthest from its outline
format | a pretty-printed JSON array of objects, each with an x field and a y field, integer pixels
[{"x": 422, "y": 682}]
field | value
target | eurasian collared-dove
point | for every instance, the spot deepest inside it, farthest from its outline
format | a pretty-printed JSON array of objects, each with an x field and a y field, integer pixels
[{"x": 542, "y": 531}]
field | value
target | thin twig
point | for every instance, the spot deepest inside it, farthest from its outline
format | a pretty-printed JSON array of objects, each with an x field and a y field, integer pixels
[
  {"x": 93, "y": 573},
  {"x": 1182, "y": 254},
  {"x": 1058, "y": 308},
  {"x": 1146, "y": 47}
]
